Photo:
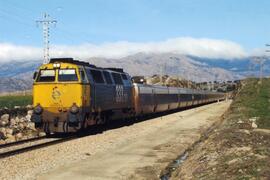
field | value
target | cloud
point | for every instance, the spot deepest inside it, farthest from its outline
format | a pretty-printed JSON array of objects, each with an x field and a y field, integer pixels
[
  {"x": 207, "y": 48},
  {"x": 260, "y": 52},
  {"x": 14, "y": 52}
]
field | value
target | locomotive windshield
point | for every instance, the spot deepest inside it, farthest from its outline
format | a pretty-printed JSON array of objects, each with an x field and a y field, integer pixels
[
  {"x": 67, "y": 75},
  {"x": 47, "y": 75}
]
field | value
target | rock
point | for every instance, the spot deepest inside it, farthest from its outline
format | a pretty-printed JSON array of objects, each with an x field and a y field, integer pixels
[
  {"x": 253, "y": 119},
  {"x": 30, "y": 112},
  {"x": 245, "y": 131},
  {"x": 17, "y": 120},
  {"x": 3, "y": 133},
  {"x": 3, "y": 123},
  {"x": 12, "y": 122},
  {"x": 9, "y": 131},
  {"x": 31, "y": 126},
  {"x": 233, "y": 161},
  {"x": 240, "y": 171},
  {"x": 21, "y": 126},
  {"x": 18, "y": 136},
  {"x": 5, "y": 117},
  {"x": 29, "y": 106},
  {"x": 254, "y": 125},
  {"x": 4, "y": 120},
  {"x": 28, "y": 118},
  {"x": 260, "y": 156},
  {"x": 10, "y": 138},
  {"x": 23, "y": 119},
  {"x": 240, "y": 121},
  {"x": 41, "y": 134}
]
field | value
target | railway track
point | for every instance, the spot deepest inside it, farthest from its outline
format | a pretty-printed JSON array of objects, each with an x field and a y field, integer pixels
[
  {"x": 11, "y": 149},
  {"x": 21, "y": 142},
  {"x": 18, "y": 147}
]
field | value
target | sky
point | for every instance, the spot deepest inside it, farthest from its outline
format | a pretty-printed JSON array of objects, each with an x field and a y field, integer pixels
[{"x": 116, "y": 28}]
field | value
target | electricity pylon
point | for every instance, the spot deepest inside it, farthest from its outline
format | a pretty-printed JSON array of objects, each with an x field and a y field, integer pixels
[{"x": 46, "y": 22}]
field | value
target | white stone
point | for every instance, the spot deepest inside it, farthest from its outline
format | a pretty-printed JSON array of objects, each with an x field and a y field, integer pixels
[
  {"x": 12, "y": 122},
  {"x": 28, "y": 117},
  {"x": 244, "y": 131},
  {"x": 30, "y": 112},
  {"x": 253, "y": 119},
  {"x": 254, "y": 125},
  {"x": 17, "y": 119},
  {"x": 3, "y": 123},
  {"x": 29, "y": 106},
  {"x": 41, "y": 134},
  {"x": 31, "y": 126},
  {"x": 240, "y": 121},
  {"x": 5, "y": 117},
  {"x": 22, "y": 119},
  {"x": 9, "y": 131},
  {"x": 21, "y": 126},
  {"x": 19, "y": 136}
]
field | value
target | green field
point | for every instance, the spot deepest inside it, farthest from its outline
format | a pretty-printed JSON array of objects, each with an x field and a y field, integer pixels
[
  {"x": 10, "y": 101},
  {"x": 254, "y": 101}
]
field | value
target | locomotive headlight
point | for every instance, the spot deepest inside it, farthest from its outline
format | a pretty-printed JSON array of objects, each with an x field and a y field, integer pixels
[
  {"x": 74, "y": 109},
  {"x": 38, "y": 109},
  {"x": 56, "y": 65}
]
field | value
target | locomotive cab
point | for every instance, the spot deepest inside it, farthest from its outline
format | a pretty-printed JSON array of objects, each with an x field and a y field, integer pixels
[{"x": 61, "y": 96}]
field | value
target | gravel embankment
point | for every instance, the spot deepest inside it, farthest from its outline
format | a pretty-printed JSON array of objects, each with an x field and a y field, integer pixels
[{"x": 31, "y": 164}]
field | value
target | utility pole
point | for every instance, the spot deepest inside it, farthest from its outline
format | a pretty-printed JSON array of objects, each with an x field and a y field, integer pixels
[
  {"x": 46, "y": 22},
  {"x": 260, "y": 61},
  {"x": 161, "y": 74}
]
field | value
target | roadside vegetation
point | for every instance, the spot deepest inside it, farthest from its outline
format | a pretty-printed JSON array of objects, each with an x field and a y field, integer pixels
[
  {"x": 240, "y": 147},
  {"x": 254, "y": 102},
  {"x": 10, "y": 101}
]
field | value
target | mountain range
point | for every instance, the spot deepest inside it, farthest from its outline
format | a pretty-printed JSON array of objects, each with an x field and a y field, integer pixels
[{"x": 17, "y": 75}]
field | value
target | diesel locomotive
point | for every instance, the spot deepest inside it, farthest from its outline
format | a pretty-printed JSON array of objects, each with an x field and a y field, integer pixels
[{"x": 69, "y": 95}]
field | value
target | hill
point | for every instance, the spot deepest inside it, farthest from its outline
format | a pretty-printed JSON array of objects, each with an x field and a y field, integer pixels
[{"x": 17, "y": 75}]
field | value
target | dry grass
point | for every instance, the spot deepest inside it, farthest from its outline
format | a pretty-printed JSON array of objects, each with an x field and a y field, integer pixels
[{"x": 236, "y": 150}]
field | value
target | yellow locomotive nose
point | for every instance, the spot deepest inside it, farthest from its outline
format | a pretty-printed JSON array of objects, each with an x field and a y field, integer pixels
[{"x": 58, "y": 91}]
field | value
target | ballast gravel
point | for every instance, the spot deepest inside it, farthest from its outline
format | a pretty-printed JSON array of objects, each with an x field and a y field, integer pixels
[{"x": 31, "y": 164}]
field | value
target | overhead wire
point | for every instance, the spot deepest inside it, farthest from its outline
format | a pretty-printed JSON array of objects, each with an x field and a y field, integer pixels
[{"x": 25, "y": 16}]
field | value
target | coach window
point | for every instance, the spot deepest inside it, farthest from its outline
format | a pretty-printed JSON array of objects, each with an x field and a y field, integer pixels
[
  {"x": 107, "y": 77},
  {"x": 117, "y": 78},
  {"x": 97, "y": 76}
]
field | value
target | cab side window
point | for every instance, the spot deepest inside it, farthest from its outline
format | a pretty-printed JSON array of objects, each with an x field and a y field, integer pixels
[
  {"x": 83, "y": 76},
  {"x": 124, "y": 76},
  {"x": 117, "y": 78},
  {"x": 97, "y": 76},
  {"x": 107, "y": 77}
]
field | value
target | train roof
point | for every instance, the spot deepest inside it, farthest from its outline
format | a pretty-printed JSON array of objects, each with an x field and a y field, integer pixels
[
  {"x": 72, "y": 61},
  {"x": 82, "y": 63}
]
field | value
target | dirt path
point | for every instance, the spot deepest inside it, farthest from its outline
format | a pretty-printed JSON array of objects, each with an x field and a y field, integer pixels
[{"x": 144, "y": 155}]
